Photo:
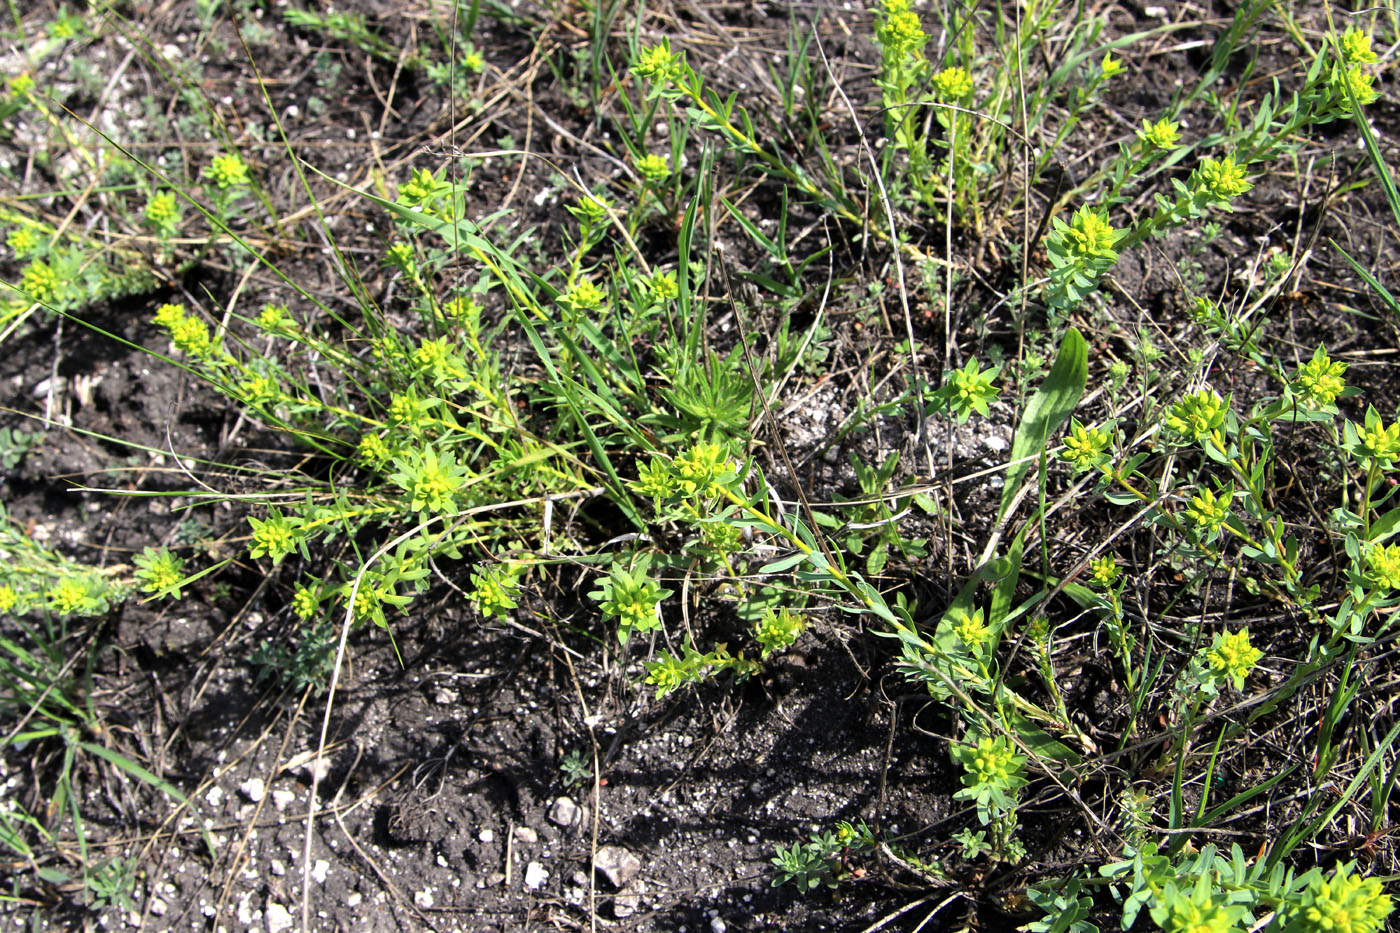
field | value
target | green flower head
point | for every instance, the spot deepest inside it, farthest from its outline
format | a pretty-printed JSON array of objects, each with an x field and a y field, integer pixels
[
  {"x": 1344, "y": 903},
  {"x": 23, "y": 240},
  {"x": 1103, "y": 571},
  {"x": 584, "y": 296},
  {"x": 1090, "y": 235},
  {"x": 304, "y": 602},
  {"x": 1319, "y": 380},
  {"x": 900, "y": 33},
  {"x": 1208, "y": 512},
  {"x": 1352, "y": 81},
  {"x": 496, "y": 588},
  {"x": 1085, "y": 447},
  {"x": 276, "y": 537},
  {"x": 654, "y": 168},
  {"x": 1374, "y": 441},
  {"x": 1221, "y": 179},
  {"x": 228, "y": 171},
  {"x": 1197, "y": 414},
  {"x": 657, "y": 64},
  {"x": 1164, "y": 134},
  {"x": 40, "y": 283},
  {"x": 1231, "y": 656},
  {"x": 952, "y": 83},
  {"x": 1383, "y": 566},
  {"x": 1111, "y": 66},
  {"x": 971, "y": 629},
  {"x": 1356, "y": 47},
  {"x": 163, "y": 212}
]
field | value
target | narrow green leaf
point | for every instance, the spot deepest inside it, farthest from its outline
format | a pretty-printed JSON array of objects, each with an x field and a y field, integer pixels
[{"x": 1046, "y": 411}]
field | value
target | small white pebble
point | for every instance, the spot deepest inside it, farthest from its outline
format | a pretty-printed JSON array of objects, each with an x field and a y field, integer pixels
[
  {"x": 278, "y": 918},
  {"x": 486, "y": 835},
  {"x": 253, "y": 788},
  {"x": 282, "y": 799},
  {"x": 535, "y": 876},
  {"x": 319, "y": 870},
  {"x": 423, "y": 898}
]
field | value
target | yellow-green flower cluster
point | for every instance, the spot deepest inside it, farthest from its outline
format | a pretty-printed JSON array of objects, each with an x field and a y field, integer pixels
[
  {"x": 1376, "y": 440},
  {"x": 400, "y": 256},
  {"x": 1209, "y": 512},
  {"x": 275, "y": 536},
  {"x": 275, "y": 319},
  {"x": 1349, "y": 79},
  {"x": 8, "y": 597},
  {"x": 1319, "y": 380},
  {"x": 592, "y": 209},
  {"x": 1383, "y": 566},
  {"x": 1344, "y": 903},
  {"x": 24, "y": 240},
  {"x": 373, "y": 451},
  {"x": 430, "y": 479},
  {"x": 970, "y": 628},
  {"x": 1103, "y": 571},
  {"x": 900, "y": 33},
  {"x": 657, "y": 64},
  {"x": 1090, "y": 235},
  {"x": 654, "y": 168},
  {"x": 1112, "y": 67},
  {"x": 1198, "y": 912},
  {"x": 188, "y": 333},
  {"x": 777, "y": 631},
  {"x": 228, "y": 171},
  {"x": 994, "y": 762},
  {"x": 40, "y": 283},
  {"x": 159, "y": 571},
  {"x": 1221, "y": 179},
  {"x": 1164, "y": 134},
  {"x": 1085, "y": 448},
  {"x": 584, "y": 296},
  {"x": 163, "y": 212},
  {"x": 1197, "y": 414},
  {"x": 438, "y": 362},
  {"x": 260, "y": 391},
  {"x": 1356, "y": 47},
  {"x": 663, "y": 286},
  {"x": 304, "y": 602},
  {"x": 1232, "y": 656},
  {"x": 952, "y": 83},
  {"x": 495, "y": 589},
  {"x": 68, "y": 596},
  {"x": 21, "y": 85}
]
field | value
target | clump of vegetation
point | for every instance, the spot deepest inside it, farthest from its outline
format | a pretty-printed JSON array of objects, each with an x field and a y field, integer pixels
[{"x": 579, "y": 431}]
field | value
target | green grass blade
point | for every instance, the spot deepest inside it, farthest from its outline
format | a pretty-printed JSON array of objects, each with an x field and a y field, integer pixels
[{"x": 1046, "y": 411}]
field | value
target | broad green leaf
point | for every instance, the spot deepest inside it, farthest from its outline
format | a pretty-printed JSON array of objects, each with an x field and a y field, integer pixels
[{"x": 1046, "y": 411}]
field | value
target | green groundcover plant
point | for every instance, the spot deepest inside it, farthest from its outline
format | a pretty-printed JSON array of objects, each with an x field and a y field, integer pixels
[{"x": 446, "y": 430}]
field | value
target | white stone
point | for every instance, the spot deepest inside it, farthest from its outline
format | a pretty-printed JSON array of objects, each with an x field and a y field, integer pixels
[
  {"x": 535, "y": 876},
  {"x": 158, "y": 907},
  {"x": 486, "y": 835},
  {"x": 278, "y": 918},
  {"x": 526, "y": 834},
  {"x": 282, "y": 799},
  {"x": 278, "y": 867},
  {"x": 564, "y": 812},
  {"x": 319, "y": 869},
  {"x": 423, "y": 898},
  {"x": 254, "y": 789},
  {"x": 215, "y": 796}
]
